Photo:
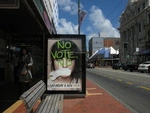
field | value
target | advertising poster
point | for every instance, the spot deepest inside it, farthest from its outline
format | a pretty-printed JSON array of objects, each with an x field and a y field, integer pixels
[{"x": 66, "y": 63}]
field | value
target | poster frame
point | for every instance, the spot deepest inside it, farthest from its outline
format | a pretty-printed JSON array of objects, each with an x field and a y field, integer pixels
[{"x": 83, "y": 54}]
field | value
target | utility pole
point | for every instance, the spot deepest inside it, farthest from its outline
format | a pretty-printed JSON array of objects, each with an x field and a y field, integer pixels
[{"x": 79, "y": 17}]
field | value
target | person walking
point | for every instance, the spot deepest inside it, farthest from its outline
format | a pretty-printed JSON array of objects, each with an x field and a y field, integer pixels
[{"x": 24, "y": 70}]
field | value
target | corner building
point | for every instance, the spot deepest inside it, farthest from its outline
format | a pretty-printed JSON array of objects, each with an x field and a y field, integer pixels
[{"x": 135, "y": 31}]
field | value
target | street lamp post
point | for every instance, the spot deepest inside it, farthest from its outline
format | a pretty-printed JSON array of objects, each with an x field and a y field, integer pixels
[{"x": 79, "y": 17}]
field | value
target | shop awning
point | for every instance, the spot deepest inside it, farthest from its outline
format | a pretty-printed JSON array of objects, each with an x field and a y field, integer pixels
[
  {"x": 143, "y": 52},
  {"x": 25, "y": 19},
  {"x": 105, "y": 52}
]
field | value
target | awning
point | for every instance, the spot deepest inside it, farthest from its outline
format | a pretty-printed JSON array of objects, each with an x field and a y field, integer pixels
[
  {"x": 105, "y": 52},
  {"x": 25, "y": 19},
  {"x": 101, "y": 51},
  {"x": 93, "y": 55},
  {"x": 143, "y": 52}
]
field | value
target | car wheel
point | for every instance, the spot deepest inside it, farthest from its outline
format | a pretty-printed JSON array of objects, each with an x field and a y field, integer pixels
[
  {"x": 131, "y": 70},
  {"x": 142, "y": 71}
]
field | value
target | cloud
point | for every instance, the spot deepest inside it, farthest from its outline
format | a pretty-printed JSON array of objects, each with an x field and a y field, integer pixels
[
  {"x": 68, "y": 6},
  {"x": 66, "y": 27},
  {"x": 100, "y": 24},
  {"x": 97, "y": 22}
]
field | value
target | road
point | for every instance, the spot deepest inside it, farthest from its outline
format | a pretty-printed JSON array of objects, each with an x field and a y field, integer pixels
[{"x": 130, "y": 88}]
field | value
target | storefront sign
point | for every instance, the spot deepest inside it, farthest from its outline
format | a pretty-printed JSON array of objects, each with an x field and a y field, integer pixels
[
  {"x": 9, "y": 4},
  {"x": 29, "y": 39},
  {"x": 65, "y": 71}
]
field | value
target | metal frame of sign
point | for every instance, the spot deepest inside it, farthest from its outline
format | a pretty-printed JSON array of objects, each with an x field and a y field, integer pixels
[{"x": 72, "y": 48}]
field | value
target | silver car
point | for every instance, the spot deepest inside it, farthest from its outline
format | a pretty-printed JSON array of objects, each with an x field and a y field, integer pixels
[{"x": 144, "y": 67}]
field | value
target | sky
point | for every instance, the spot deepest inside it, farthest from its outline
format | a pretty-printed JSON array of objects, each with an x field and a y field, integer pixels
[{"x": 102, "y": 17}]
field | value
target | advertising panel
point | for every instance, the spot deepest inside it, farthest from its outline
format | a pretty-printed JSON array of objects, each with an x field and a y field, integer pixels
[{"x": 65, "y": 71}]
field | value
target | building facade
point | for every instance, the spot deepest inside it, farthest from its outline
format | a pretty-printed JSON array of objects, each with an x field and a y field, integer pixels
[
  {"x": 135, "y": 31},
  {"x": 55, "y": 13},
  {"x": 112, "y": 42},
  {"x": 52, "y": 11},
  {"x": 95, "y": 43},
  {"x": 50, "y": 14}
]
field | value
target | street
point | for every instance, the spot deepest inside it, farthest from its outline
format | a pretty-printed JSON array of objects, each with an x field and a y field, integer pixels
[{"x": 131, "y": 88}]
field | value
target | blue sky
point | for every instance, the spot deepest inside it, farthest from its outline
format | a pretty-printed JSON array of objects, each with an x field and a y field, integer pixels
[{"x": 102, "y": 17}]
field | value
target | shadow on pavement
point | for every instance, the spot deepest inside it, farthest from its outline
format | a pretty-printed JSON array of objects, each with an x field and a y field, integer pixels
[{"x": 9, "y": 93}]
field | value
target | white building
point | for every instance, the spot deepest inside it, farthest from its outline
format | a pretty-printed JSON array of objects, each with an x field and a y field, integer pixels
[
  {"x": 51, "y": 7},
  {"x": 55, "y": 13},
  {"x": 135, "y": 31},
  {"x": 95, "y": 43}
]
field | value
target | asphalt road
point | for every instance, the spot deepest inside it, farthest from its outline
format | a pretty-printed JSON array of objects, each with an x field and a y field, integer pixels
[{"x": 130, "y": 88}]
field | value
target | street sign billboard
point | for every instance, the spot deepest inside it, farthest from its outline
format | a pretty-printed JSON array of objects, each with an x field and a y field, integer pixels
[{"x": 65, "y": 63}]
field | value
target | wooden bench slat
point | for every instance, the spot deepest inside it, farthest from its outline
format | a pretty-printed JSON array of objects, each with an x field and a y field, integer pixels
[
  {"x": 58, "y": 106},
  {"x": 35, "y": 98},
  {"x": 58, "y": 100},
  {"x": 41, "y": 106},
  {"x": 25, "y": 94},
  {"x": 51, "y": 104},
  {"x": 33, "y": 102},
  {"x": 61, "y": 103},
  {"x": 35, "y": 93},
  {"x": 49, "y": 100},
  {"x": 46, "y": 102}
]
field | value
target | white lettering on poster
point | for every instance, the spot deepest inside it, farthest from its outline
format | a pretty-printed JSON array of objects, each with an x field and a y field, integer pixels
[{"x": 64, "y": 85}]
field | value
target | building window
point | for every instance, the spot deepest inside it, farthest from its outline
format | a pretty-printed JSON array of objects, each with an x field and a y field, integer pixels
[
  {"x": 148, "y": 33},
  {"x": 139, "y": 27},
  {"x": 138, "y": 9},
  {"x": 143, "y": 5},
  {"x": 149, "y": 17}
]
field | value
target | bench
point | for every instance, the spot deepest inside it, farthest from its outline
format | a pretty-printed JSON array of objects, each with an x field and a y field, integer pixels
[{"x": 50, "y": 103}]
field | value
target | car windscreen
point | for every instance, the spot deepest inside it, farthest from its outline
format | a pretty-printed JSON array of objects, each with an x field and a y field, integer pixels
[{"x": 146, "y": 63}]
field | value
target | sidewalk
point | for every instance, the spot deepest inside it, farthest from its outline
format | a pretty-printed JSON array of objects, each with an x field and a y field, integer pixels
[{"x": 97, "y": 100}]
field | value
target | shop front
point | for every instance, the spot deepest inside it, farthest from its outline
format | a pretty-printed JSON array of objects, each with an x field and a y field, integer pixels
[{"x": 22, "y": 25}]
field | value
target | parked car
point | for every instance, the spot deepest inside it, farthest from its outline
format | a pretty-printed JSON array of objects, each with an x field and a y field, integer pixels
[
  {"x": 144, "y": 67},
  {"x": 90, "y": 65},
  {"x": 131, "y": 66},
  {"x": 117, "y": 66}
]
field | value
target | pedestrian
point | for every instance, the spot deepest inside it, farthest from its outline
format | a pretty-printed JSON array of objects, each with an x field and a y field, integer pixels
[{"x": 24, "y": 70}]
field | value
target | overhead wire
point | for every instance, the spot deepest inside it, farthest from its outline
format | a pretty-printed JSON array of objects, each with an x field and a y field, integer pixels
[
  {"x": 114, "y": 8},
  {"x": 113, "y": 11}
]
